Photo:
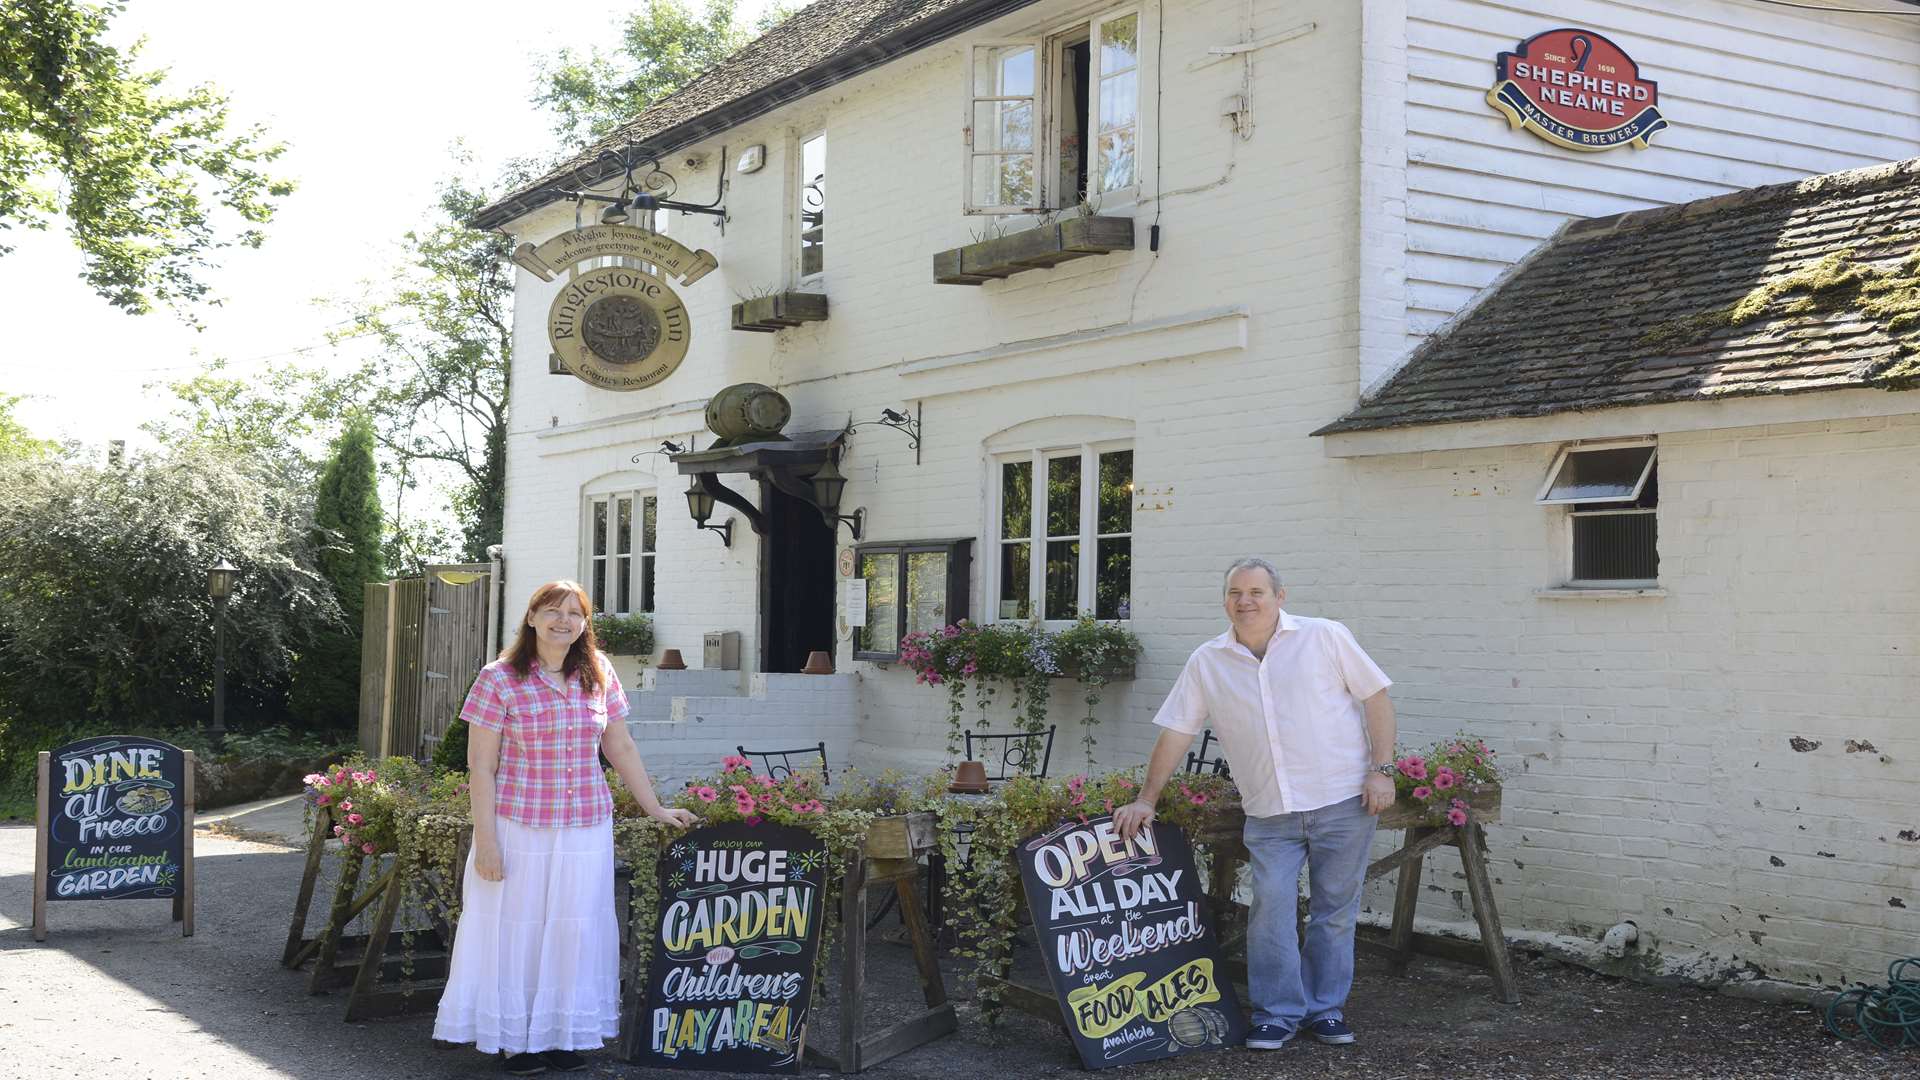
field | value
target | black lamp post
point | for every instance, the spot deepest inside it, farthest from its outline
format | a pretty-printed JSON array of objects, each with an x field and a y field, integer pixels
[
  {"x": 828, "y": 486},
  {"x": 220, "y": 581},
  {"x": 700, "y": 505}
]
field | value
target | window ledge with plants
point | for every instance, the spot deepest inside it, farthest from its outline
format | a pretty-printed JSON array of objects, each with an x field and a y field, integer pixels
[
  {"x": 624, "y": 635},
  {"x": 1049, "y": 244},
  {"x": 1024, "y": 658},
  {"x": 778, "y": 311}
]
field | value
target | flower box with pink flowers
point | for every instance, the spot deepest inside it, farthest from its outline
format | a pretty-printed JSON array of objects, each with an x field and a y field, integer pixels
[{"x": 1451, "y": 783}]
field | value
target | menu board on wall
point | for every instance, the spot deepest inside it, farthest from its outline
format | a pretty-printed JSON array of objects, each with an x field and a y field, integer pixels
[
  {"x": 738, "y": 927},
  {"x": 1123, "y": 927}
]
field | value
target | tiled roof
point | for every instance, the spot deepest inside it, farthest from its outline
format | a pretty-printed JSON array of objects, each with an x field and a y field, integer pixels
[
  {"x": 1797, "y": 287},
  {"x": 821, "y": 44}
]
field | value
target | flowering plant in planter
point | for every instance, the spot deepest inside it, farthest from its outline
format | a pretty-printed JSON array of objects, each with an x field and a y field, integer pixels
[
  {"x": 624, "y": 635},
  {"x": 1440, "y": 782},
  {"x": 1026, "y": 656}
]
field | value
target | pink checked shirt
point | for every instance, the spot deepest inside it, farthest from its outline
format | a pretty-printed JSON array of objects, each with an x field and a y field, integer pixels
[{"x": 549, "y": 775}]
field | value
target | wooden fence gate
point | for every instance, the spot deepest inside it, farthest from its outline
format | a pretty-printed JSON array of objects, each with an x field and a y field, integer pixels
[{"x": 424, "y": 640}]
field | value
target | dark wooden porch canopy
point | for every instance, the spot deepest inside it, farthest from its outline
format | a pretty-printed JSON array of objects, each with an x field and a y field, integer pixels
[{"x": 787, "y": 462}]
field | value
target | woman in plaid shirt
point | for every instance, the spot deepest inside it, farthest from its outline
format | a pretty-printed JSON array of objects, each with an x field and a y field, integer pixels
[{"x": 535, "y": 971}]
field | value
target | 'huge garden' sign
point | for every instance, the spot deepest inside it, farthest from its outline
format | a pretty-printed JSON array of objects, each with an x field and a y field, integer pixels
[
  {"x": 734, "y": 943},
  {"x": 115, "y": 823},
  {"x": 1123, "y": 928}
]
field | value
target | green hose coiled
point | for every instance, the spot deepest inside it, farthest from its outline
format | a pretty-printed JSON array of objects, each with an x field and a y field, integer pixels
[{"x": 1886, "y": 1016}]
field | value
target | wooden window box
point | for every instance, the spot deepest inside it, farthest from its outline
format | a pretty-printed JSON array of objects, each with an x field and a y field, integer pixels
[
  {"x": 1032, "y": 249},
  {"x": 769, "y": 314}
]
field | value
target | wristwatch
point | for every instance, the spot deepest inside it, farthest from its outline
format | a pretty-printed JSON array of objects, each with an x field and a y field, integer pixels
[{"x": 1388, "y": 769}]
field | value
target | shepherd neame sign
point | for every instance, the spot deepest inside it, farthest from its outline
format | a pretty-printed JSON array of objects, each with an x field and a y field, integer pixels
[{"x": 1575, "y": 88}]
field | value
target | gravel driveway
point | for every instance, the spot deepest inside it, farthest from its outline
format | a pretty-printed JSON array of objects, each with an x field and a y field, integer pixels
[{"x": 116, "y": 992}]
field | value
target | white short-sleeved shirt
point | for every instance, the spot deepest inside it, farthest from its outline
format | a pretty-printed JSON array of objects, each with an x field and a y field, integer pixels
[{"x": 1292, "y": 724}]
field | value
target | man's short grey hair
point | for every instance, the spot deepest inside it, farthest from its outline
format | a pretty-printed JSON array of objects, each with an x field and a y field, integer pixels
[{"x": 1250, "y": 563}]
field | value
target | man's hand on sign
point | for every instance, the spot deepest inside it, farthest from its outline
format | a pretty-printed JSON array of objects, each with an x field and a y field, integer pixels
[
  {"x": 486, "y": 862},
  {"x": 1132, "y": 817},
  {"x": 1377, "y": 793}
]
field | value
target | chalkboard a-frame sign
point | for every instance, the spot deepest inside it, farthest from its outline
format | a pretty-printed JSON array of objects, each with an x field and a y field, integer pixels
[
  {"x": 115, "y": 822},
  {"x": 1124, "y": 931},
  {"x": 738, "y": 928}
]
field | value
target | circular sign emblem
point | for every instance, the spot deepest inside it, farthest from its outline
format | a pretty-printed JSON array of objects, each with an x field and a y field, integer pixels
[{"x": 619, "y": 328}]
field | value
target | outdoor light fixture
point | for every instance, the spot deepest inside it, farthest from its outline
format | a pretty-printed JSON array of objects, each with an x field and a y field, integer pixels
[
  {"x": 700, "y": 505},
  {"x": 615, "y": 214},
  {"x": 220, "y": 579},
  {"x": 828, "y": 486}
]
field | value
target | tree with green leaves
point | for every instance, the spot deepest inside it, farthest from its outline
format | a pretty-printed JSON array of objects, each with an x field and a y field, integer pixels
[
  {"x": 348, "y": 539},
  {"x": 105, "y": 622},
  {"x": 277, "y": 415},
  {"x": 663, "y": 47},
  {"x": 436, "y": 388},
  {"x": 16, "y": 442},
  {"x": 139, "y": 172}
]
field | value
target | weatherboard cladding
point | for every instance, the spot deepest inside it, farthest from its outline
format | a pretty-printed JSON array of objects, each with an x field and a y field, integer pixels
[{"x": 1638, "y": 308}]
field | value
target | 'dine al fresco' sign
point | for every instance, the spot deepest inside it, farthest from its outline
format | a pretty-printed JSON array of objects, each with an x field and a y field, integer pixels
[
  {"x": 116, "y": 821},
  {"x": 1123, "y": 929},
  {"x": 1575, "y": 88},
  {"x": 734, "y": 944},
  {"x": 617, "y": 327}
]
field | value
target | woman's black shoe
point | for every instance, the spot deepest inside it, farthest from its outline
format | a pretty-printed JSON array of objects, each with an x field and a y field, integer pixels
[
  {"x": 524, "y": 1065},
  {"x": 563, "y": 1060}
]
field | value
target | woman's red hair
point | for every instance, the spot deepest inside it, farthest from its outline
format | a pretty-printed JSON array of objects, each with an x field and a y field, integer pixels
[{"x": 581, "y": 658}]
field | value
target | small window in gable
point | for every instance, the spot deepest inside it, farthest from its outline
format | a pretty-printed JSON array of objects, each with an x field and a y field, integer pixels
[
  {"x": 1055, "y": 121},
  {"x": 1612, "y": 495}
]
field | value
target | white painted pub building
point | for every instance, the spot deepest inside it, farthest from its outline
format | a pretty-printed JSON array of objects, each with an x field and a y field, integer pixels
[{"x": 1382, "y": 291}]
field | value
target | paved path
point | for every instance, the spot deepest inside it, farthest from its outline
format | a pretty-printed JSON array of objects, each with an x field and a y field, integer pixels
[{"x": 116, "y": 994}]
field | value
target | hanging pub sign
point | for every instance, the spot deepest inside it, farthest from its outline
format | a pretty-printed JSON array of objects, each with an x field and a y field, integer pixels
[
  {"x": 617, "y": 327},
  {"x": 1123, "y": 929},
  {"x": 1575, "y": 88},
  {"x": 734, "y": 942},
  {"x": 115, "y": 818}
]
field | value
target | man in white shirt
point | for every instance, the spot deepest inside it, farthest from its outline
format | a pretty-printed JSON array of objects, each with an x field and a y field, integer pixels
[{"x": 1303, "y": 718}]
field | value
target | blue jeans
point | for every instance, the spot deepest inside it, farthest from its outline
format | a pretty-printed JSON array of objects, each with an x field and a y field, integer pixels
[{"x": 1293, "y": 983}]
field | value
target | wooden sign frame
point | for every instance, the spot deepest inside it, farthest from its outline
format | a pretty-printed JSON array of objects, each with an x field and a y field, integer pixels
[{"x": 42, "y": 844}]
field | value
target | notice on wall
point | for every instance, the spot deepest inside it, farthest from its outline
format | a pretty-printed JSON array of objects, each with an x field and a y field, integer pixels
[
  {"x": 117, "y": 818},
  {"x": 855, "y": 602},
  {"x": 1124, "y": 929},
  {"x": 731, "y": 975}
]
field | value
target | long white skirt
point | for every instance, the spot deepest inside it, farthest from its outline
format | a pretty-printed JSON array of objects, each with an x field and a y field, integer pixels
[{"x": 536, "y": 957}]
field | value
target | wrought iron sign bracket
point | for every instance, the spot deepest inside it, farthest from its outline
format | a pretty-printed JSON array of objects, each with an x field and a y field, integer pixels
[{"x": 899, "y": 421}]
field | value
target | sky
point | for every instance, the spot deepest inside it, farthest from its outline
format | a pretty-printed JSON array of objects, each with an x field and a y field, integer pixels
[{"x": 369, "y": 97}]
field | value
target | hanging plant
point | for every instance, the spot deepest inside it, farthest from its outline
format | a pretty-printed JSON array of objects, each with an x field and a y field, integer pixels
[{"x": 1095, "y": 652}]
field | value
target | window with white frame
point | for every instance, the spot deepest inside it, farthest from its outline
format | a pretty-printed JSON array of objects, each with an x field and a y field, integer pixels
[
  {"x": 811, "y": 214},
  {"x": 1055, "y": 121},
  {"x": 621, "y": 533},
  {"x": 1064, "y": 534},
  {"x": 1612, "y": 494}
]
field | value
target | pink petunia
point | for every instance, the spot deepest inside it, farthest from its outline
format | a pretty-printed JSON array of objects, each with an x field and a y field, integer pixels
[
  {"x": 765, "y": 781},
  {"x": 1422, "y": 791},
  {"x": 354, "y": 819},
  {"x": 1413, "y": 767},
  {"x": 1443, "y": 778},
  {"x": 1456, "y": 817},
  {"x": 753, "y": 819},
  {"x": 323, "y": 800},
  {"x": 1459, "y": 804},
  {"x": 1125, "y": 783},
  {"x": 706, "y": 794},
  {"x": 339, "y": 830},
  {"x": 733, "y": 761},
  {"x": 1199, "y": 800},
  {"x": 970, "y": 668},
  {"x": 367, "y": 847}
]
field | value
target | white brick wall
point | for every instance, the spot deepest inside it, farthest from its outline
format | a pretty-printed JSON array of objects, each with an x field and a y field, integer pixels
[{"x": 1634, "y": 727}]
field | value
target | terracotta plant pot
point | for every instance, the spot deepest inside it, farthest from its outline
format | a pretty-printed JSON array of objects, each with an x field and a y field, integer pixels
[
  {"x": 670, "y": 661},
  {"x": 969, "y": 778},
  {"x": 818, "y": 663}
]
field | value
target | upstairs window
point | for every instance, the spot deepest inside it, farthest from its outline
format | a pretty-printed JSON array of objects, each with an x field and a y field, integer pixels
[
  {"x": 1612, "y": 495},
  {"x": 1054, "y": 121},
  {"x": 812, "y": 211}
]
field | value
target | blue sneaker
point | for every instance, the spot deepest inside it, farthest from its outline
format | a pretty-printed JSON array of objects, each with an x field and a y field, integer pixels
[
  {"x": 1269, "y": 1037},
  {"x": 1331, "y": 1029}
]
